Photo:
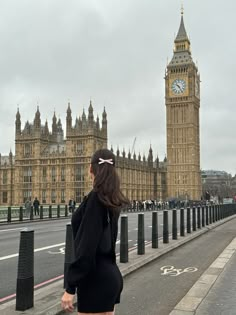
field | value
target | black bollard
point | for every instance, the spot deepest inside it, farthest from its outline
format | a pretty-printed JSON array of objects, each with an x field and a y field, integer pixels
[
  {"x": 58, "y": 211},
  {"x": 50, "y": 212},
  {"x": 216, "y": 213},
  {"x": 210, "y": 214},
  {"x": 69, "y": 252},
  {"x": 213, "y": 214},
  {"x": 207, "y": 215},
  {"x": 194, "y": 219},
  {"x": 188, "y": 220},
  {"x": 221, "y": 212},
  {"x": 66, "y": 211},
  {"x": 155, "y": 229},
  {"x": 41, "y": 212},
  {"x": 21, "y": 214},
  {"x": 165, "y": 227},
  {"x": 203, "y": 216},
  {"x": 9, "y": 214},
  {"x": 124, "y": 253},
  {"x": 174, "y": 225},
  {"x": 25, "y": 274},
  {"x": 198, "y": 217},
  {"x": 182, "y": 226},
  {"x": 141, "y": 237}
]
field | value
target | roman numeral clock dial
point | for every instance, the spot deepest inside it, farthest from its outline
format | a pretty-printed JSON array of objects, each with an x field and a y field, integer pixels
[{"x": 178, "y": 86}]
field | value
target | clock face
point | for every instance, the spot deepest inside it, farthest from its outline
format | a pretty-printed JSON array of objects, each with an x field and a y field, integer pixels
[{"x": 178, "y": 86}]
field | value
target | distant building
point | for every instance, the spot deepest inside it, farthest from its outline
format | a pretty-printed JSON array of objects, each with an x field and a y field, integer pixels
[{"x": 217, "y": 183}]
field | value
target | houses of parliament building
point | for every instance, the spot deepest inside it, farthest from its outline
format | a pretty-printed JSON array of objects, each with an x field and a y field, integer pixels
[{"x": 55, "y": 167}]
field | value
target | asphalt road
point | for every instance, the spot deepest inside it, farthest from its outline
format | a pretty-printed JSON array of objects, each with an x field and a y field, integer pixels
[
  {"x": 154, "y": 290},
  {"x": 49, "y": 238}
]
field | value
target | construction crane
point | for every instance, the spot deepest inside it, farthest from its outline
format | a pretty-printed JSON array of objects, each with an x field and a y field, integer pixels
[{"x": 132, "y": 151}]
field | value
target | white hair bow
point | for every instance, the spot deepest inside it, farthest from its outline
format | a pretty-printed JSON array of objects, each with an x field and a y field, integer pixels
[{"x": 102, "y": 161}]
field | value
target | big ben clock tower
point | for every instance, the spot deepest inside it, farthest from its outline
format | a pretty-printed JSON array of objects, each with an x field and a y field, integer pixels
[{"x": 182, "y": 88}]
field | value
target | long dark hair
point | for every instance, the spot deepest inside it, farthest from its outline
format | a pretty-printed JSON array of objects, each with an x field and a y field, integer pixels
[{"x": 106, "y": 180}]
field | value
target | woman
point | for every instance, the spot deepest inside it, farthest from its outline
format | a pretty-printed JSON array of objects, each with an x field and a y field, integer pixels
[{"x": 94, "y": 272}]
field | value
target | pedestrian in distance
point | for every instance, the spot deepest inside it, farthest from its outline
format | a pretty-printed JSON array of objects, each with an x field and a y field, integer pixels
[
  {"x": 94, "y": 272},
  {"x": 72, "y": 205},
  {"x": 36, "y": 206},
  {"x": 27, "y": 208}
]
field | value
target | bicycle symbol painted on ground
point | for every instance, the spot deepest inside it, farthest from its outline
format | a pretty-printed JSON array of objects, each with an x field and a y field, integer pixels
[
  {"x": 61, "y": 251},
  {"x": 174, "y": 272}
]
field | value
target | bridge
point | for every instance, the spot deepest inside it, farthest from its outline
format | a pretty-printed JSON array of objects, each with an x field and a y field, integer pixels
[{"x": 175, "y": 260}]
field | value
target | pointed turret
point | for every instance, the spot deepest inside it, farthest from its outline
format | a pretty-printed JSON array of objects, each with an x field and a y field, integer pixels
[
  {"x": 129, "y": 155},
  {"x": 157, "y": 161},
  {"x": 10, "y": 158},
  {"x": 182, "y": 34},
  {"x": 84, "y": 120},
  {"x": 182, "y": 50},
  {"x": 37, "y": 120},
  {"x": 144, "y": 158},
  {"x": 46, "y": 130},
  {"x": 150, "y": 157},
  {"x": 118, "y": 151},
  {"x": 123, "y": 153},
  {"x": 97, "y": 123},
  {"x": 68, "y": 120},
  {"x": 90, "y": 115},
  {"x": 54, "y": 124},
  {"x": 60, "y": 132},
  {"x": 139, "y": 156},
  {"x": 18, "y": 122},
  {"x": 112, "y": 149},
  {"x": 134, "y": 156},
  {"x": 104, "y": 123}
]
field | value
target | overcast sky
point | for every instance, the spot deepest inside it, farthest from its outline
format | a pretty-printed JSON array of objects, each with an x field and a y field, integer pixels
[{"x": 115, "y": 53}]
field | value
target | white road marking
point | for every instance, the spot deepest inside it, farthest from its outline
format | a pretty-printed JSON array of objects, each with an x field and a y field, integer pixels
[
  {"x": 118, "y": 242},
  {"x": 61, "y": 251},
  {"x": 7, "y": 230},
  {"x": 174, "y": 272},
  {"x": 36, "y": 250}
]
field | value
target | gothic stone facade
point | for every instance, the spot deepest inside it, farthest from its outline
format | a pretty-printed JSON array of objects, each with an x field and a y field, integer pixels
[{"x": 54, "y": 169}]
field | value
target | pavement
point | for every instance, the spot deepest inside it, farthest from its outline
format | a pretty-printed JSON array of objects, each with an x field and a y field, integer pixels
[
  {"x": 214, "y": 293},
  {"x": 207, "y": 296}
]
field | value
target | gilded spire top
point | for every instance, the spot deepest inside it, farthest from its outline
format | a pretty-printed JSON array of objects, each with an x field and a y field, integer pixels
[{"x": 182, "y": 9}]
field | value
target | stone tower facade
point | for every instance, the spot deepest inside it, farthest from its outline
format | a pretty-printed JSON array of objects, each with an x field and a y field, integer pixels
[{"x": 182, "y": 89}]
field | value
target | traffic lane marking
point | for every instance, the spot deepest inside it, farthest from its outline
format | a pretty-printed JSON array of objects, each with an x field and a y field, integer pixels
[
  {"x": 8, "y": 230},
  {"x": 36, "y": 250}
]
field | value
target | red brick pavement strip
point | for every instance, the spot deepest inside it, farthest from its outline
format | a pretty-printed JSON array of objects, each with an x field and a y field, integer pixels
[{"x": 47, "y": 299}]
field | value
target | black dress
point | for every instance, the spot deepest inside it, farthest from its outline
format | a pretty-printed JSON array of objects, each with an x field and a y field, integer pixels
[{"x": 94, "y": 272}]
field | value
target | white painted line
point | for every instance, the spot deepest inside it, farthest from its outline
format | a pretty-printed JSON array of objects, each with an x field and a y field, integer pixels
[
  {"x": 118, "y": 242},
  {"x": 36, "y": 250},
  {"x": 8, "y": 230}
]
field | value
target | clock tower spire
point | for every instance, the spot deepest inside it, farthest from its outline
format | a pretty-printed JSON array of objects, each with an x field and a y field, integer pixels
[{"x": 182, "y": 82}]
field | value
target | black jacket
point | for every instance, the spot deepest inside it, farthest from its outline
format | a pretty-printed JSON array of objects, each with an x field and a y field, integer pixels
[{"x": 95, "y": 232}]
